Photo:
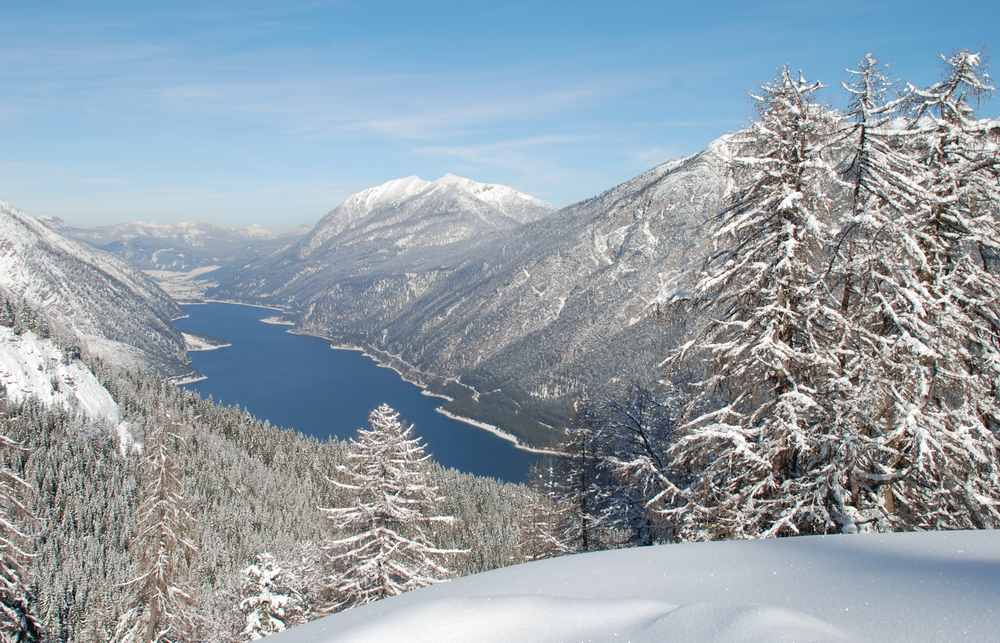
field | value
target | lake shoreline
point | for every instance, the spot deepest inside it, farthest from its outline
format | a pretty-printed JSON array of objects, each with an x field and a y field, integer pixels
[{"x": 373, "y": 355}]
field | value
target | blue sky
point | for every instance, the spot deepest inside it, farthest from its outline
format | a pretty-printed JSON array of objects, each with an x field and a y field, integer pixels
[{"x": 272, "y": 112}]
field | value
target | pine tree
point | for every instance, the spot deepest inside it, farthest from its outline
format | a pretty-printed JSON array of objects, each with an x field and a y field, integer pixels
[
  {"x": 389, "y": 547},
  {"x": 638, "y": 428},
  {"x": 270, "y": 604},
  {"x": 162, "y": 610},
  {"x": 759, "y": 442},
  {"x": 17, "y": 622}
]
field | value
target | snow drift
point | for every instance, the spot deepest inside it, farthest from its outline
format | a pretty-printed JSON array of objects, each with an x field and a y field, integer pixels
[{"x": 940, "y": 586}]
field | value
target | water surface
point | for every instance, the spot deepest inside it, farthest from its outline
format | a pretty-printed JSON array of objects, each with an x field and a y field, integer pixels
[{"x": 299, "y": 382}]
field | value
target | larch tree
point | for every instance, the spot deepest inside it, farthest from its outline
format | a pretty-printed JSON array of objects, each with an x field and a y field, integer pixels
[
  {"x": 582, "y": 491},
  {"x": 885, "y": 336},
  {"x": 947, "y": 456},
  {"x": 17, "y": 622},
  {"x": 387, "y": 545},
  {"x": 758, "y": 441},
  {"x": 537, "y": 536},
  {"x": 162, "y": 605}
]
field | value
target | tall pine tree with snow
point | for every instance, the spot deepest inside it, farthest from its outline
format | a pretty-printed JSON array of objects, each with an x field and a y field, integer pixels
[
  {"x": 17, "y": 623},
  {"x": 387, "y": 537},
  {"x": 270, "y": 604},
  {"x": 162, "y": 605},
  {"x": 760, "y": 442}
]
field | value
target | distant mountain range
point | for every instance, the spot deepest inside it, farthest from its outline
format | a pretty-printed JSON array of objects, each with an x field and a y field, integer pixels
[
  {"x": 181, "y": 247},
  {"x": 88, "y": 296}
]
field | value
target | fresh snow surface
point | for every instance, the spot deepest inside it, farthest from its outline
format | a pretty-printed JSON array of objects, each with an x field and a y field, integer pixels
[
  {"x": 34, "y": 367},
  {"x": 931, "y": 586}
]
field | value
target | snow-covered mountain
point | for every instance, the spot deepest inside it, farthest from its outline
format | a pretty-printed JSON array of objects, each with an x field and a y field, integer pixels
[
  {"x": 411, "y": 212},
  {"x": 382, "y": 248},
  {"x": 91, "y": 297},
  {"x": 929, "y": 586},
  {"x": 533, "y": 314},
  {"x": 181, "y": 247}
]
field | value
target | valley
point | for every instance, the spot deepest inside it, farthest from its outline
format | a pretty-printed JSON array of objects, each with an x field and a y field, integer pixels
[{"x": 298, "y": 381}]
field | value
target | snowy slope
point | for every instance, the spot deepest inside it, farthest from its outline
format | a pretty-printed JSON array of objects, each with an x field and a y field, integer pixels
[
  {"x": 932, "y": 586},
  {"x": 89, "y": 296},
  {"x": 35, "y": 367}
]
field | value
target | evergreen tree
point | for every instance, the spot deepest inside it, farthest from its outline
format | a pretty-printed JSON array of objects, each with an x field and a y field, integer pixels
[
  {"x": 6, "y": 313},
  {"x": 270, "y": 604},
  {"x": 389, "y": 547},
  {"x": 761, "y": 448},
  {"x": 17, "y": 622},
  {"x": 162, "y": 610}
]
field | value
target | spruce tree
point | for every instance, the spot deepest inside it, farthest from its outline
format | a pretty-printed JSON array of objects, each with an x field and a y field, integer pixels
[{"x": 387, "y": 545}]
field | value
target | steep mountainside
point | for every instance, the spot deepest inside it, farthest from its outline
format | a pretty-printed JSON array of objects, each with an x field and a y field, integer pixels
[
  {"x": 382, "y": 248},
  {"x": 182, "y": 247},
  {"x": 88, "y": 296},
  {"x": 535, "y": 315},
  {"x": 577, "y": 303}
]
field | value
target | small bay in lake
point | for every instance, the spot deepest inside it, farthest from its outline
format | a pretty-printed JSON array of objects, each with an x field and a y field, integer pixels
[{"x": 299, "y": 382}]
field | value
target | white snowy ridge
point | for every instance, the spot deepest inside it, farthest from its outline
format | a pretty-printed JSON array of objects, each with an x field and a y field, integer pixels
[{"x": 930, "y": 586}]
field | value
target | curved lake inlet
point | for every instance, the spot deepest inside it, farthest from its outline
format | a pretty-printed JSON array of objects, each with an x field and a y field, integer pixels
[{"x": 299, "y": 382}]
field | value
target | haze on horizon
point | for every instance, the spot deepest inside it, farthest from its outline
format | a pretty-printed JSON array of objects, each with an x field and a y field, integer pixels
[{"x": 255, "y": 112}]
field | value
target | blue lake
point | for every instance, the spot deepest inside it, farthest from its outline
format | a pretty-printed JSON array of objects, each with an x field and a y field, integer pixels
[{"x": 300, "y": 382}]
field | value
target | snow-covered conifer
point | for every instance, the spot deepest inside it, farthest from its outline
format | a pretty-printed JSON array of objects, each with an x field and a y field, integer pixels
[
  {"x": 162, "y": 609},
  {"x": 758, "y": 443},
  {"x": 17, "y": 623},
  {"x": 387, "y": 537},
  {"x": 270, "y": 604}
]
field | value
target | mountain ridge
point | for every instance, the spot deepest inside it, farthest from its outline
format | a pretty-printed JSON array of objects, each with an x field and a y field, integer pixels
[{"x": 88, "y": 296}]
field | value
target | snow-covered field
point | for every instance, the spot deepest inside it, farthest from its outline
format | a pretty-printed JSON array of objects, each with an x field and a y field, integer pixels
[
  {"x": 31, "y": 366},
  {"x": 933, "y": 586}
]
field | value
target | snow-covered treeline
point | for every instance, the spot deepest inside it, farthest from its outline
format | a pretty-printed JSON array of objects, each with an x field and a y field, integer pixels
[{"x": 226, "y": 492}]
